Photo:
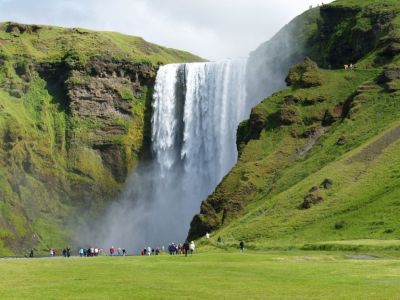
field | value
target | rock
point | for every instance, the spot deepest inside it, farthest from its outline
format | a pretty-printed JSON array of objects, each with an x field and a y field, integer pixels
[
  {"x": 291, "y": 100},
  {"x": 15, "y": 93},
  {"x": 16, "y": 29},
  {"x": 390, "y": 78},
  {"x": 339, "y": 225},
  {"x": 289, "y": 115},
  {"x": 389, "y": 74},
  {"x": 313, "y": 101},
  {"x": 327, "y": 184},
  {"x": 391, "y": 50},
  {"x": 354, "y": 41},
  {"x": 309, "y": 132},
  {"x": 310, "y": 200},
  {"x": 393, "y": 86},
  {"x": 342, "y": 140},
  {"x": 304, "y": 75},
  {"x": 328, "y": 119}
]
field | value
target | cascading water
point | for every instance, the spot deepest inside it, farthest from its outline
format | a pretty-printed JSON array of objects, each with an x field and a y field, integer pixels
[{"x": 196, "y": 110}]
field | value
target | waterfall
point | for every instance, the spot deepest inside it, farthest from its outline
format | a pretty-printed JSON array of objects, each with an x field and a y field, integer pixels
[{"x": 196, "y": 110}]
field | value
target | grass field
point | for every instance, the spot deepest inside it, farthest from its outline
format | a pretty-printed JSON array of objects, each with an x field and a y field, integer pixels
[{"x": 211, "y": 275}]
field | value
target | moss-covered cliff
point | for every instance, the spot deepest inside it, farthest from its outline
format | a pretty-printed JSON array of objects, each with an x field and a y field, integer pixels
[
  {"x": 310, "y": 155},
  {"x": 74, "y": 120}
]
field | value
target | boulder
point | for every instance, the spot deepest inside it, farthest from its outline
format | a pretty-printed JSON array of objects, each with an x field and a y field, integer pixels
[
  {"x": 328, "y": 119},
  {"x": 342, "y": 140},
  {"x": 310, "y": 200},
  {"x": 389, "y": 74},
  {"x": 304, "y": 75},
  {"x": 289, "y": 115},
  {"x": 290, "y": 100},
  {"x": 327, "y": 184}
]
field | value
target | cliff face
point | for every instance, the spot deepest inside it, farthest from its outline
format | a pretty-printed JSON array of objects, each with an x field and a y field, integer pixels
[
  {"x": 75, "y": 119},
  {"x": 295, "y": 178},
  {"x": 333, "y": 35}
]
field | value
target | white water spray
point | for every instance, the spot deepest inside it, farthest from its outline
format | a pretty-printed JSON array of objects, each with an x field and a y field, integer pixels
[{"x": 196, "y": 110}]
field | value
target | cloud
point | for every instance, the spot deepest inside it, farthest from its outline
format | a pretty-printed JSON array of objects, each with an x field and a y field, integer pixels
[{"x": 212, "y": 29}]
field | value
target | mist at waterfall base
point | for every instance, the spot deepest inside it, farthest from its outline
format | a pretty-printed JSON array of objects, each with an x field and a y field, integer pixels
[{"x": 196, "y": 110}]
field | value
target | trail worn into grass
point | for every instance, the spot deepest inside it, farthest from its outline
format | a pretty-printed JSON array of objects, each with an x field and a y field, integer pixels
[
  {"x": 273, "y": 275},
  {"x": 374, "y": 149}
]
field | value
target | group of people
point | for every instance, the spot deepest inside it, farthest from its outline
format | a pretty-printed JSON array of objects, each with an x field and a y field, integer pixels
[
  {"x": 150, "y": 251},
  {"x": 117, "y": 251},
  {"x": 349, "y": 67},
  {"x": 173, "y": 249},
  {"x": 184, "y": 248}
]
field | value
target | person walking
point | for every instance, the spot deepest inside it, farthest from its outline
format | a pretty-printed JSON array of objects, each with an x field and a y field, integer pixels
[
  {"x": 241, "y": 246},
  {"x": 185, "y": 248},
  {"x": 192, "y": 247}
]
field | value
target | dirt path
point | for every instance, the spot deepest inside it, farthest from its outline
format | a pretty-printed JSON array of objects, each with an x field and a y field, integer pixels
[
  {"x": 312, "y": 140},
  {"x": 373, "y": 150}
]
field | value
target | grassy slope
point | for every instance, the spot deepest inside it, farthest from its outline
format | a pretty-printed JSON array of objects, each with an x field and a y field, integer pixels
[
  {"x": 277, "y": 275},
  {"x": 52, "y": 43},
  {"x": 259, "y": 199},
  {"x": 39, "y": 185}
]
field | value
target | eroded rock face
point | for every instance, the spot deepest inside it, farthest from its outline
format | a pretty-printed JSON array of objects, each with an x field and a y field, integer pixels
[
  {"x": 389, "y": 74},
  {"x": 356, "y": 38},
  {"x": 100, "y": 97}
]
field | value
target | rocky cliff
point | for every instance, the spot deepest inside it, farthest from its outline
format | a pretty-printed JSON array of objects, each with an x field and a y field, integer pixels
[{"x": 75, "y": 119}]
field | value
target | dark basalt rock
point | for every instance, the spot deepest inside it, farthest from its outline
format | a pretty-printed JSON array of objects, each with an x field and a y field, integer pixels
[
  {"x": 310, "y": 200},
  {"x": 17, "y": 29},
  {"x": 327, "y": 184},
  {"x": 389, "y": 74},
  {"x": 328, "y": 119}
]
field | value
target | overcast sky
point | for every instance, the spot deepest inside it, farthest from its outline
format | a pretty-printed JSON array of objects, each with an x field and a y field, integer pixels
[{"x": 214, "y": 29}]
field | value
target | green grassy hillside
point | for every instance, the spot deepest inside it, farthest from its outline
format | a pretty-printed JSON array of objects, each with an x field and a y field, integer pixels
[
  {"x": 74, "y": 120},
  {"x": 320, "y": 160}
]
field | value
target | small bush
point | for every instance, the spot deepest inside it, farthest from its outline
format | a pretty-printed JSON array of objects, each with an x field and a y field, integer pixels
[{"x": 339, "y": 225}]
